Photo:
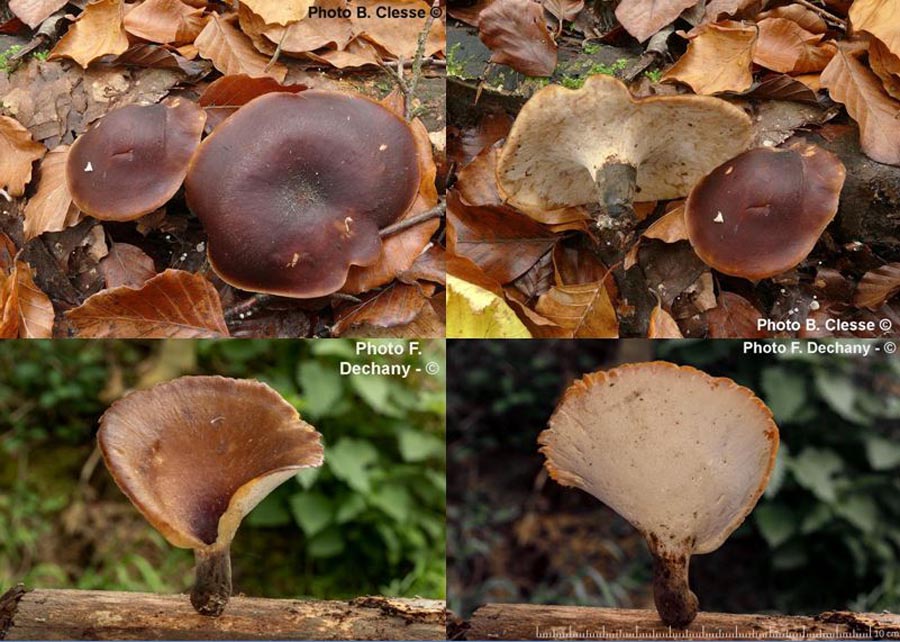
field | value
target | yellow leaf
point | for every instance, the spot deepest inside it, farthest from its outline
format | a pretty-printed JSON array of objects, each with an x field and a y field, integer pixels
[{"x": 476, "y": 313}]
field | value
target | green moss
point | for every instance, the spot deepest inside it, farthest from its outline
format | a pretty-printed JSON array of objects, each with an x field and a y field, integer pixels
[
  {"x": 654, "y": 75},
  {"x": 454, "y": 64},
  {"x": 577, "y": 81},
  {"x": 5, "y": 64},
  {"x": 590, "y": 48}
]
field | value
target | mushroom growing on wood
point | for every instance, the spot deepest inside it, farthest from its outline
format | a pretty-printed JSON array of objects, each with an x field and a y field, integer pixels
[
  {"x": 681, "y": 455},
  {"x": 761, "y": 213},
  {"x": 195, "y": 455},
  {"x": 134, "y": 160},
  {"x": 600, "y": 145},
  {"x": 293, "y": 188}
]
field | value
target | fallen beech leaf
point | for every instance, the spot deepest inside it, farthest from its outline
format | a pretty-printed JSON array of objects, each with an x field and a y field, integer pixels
[
  {"x": 718, "y": 8},
  {"x": 51, "y": 208},
  {"x": 232, "y": 53},
  {"x": 468, "y": 13},
  {"x": 431, "y": 265},
  {"x": 669, "y": 228},
  {"x": 148, "y": 56},
  {"x": 476, "y": 313},
  {"x": 224, "y": 96},
  {"x": 783, "y": 87},
  {"x": 464, "y": 144},
  {"x": 391, "y": 312},
  {"x": 465, "y": 270},
  {"x": 398, "y": 253},
  {"x": 399, "y": 37},
  {"x": 577, "y": 266},
  {"x": 564, "y": 10},
  {"x": 585, "y": 310},
  {"x": 477, "y": 185},
  {"x": 881, "y": 18},
  {"x": 852, "y": 84},
  {"x": 17, "y": 153},
  {"x": 643, "y": 18},
  {"x": 34, "y": 12},
  {"x": 718, "y": 58},
  {"x": 126, "y": 265},
  {"x": 357, "y": 53},
  {"x": 662, "y": 325},
  {"x": 173, "y": 304},
  {"x": 808, "y": 20},
  {"x": 502, "y": 242},
  {"x": 785, "y": 46},
  {"x": 25, "y": 311},
  {"x": 733, "y": 318},
  {"x": 536, "y": 280},
  {"x": 279, "y": 12},
  {"x": 165, "y": 22},
  {"x": 310, "y": 34},
  {"x": 886, "y": 66},
  {"x": 878, "y": 286},
  {"x": 516, "y": 33},
  {"x": 99, "y": 31}
]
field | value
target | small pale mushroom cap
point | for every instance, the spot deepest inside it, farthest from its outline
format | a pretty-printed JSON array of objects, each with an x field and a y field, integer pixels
[
  {"x": 561, "y": 138},
  {"x": 196, "y": 454},
  {"x": 681, "y": 455}
]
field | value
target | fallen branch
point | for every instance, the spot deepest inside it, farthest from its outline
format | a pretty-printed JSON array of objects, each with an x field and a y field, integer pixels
[
  {"x": 104, "y": 615},
  {"x": 530, "y": 622}
]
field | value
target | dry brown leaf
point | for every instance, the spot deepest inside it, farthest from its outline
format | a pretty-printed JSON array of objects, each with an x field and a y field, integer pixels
[
  {"x": 585, "y": 311},
  {"x": 174, "y": 304},
  {"x": 152, "y": 56},
  {"x": 643, "y": 18},
  {"x": 464, "y": 144},
  {"x": 34, "y": 12},
  {"x": 516, "y": 33},
  {"x": 715, "y": 9},
  {"x": 785, "y": 46},
  {"x": 877, "y": 287},
  {"x": 165, "y": 22},
  {"x": 662, "y": 325},
  {"x": 99, "y": 31},
  {"x": 564, "y": 10},
  {"x": 852, "y": 84},
  {"x": 25, "y": 311},
  {"x": 395, "y": 307},
  {"x": 577, "y": 266},
  {"x": 7, "y": 253},
  {"x": 719, "y": 58},
  {"x": 224, "y": 96},
  {"x": 17, "y": 153},
  {"x": 232, "y": 53},
  {"x": 669, "y": 228},
  {"x": 733, "y": 318},
  {"x": 357, "y": 53},
  {"x": 431, "y": 265},
  {"x": 310, "y": 34},
  {"x": 468, "y": 13},
  {"x": 51, "y": 208},
  {"x": 126, "y": 265},
  {"x": 398, "y": 37},
  {"x": 886, "y": 66},
  {"x": 279, "y": 12},
  {"x": 881, "y": 18},
  {"x": 809, "y": 20},
  {"x": 502, "y": 242}
]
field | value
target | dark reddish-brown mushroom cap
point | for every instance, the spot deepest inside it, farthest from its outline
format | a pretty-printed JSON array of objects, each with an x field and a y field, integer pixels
[
  {"x": 761, "y": 213},
  {"x": 134, "y": 160},
  {"x": 293, "y": 188},
  {"x": 196, "y": 454}
]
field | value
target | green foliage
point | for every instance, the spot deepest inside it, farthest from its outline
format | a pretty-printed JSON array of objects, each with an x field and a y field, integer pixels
[
  {"x": 455, "y": 66},
  {"x": 831, "y": 514},
  {"x": 577, "y": 81},
  {"x": 370, "y": 520},
  {"x": 590, "y": 48},
  {"x": 41, "y": 55},
  {"x": 6, "y": 65},
  {"x": 654, "y": 75}
]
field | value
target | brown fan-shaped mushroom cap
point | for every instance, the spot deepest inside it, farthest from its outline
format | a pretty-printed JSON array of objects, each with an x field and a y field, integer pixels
[
  {"x": 293, "y": 188},
  {"x": 683, "y": 456},
  {"x": 570, "y": 147},
  {"x": 761, "y": 213},
  {"x": 196, "y": 454},
  {"x": 134, "y": 160}
]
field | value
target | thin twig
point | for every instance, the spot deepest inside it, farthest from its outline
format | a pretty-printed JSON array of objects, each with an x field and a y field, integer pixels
[
  {"x": 412, "y": 221},
  {"x": 277, "y": 54},
  {"x": 827, "y": 15},
  {"x": 248, "y": 307},
  {"x": 420, "y": 55},
  {"x": 426, "y": 62}
]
